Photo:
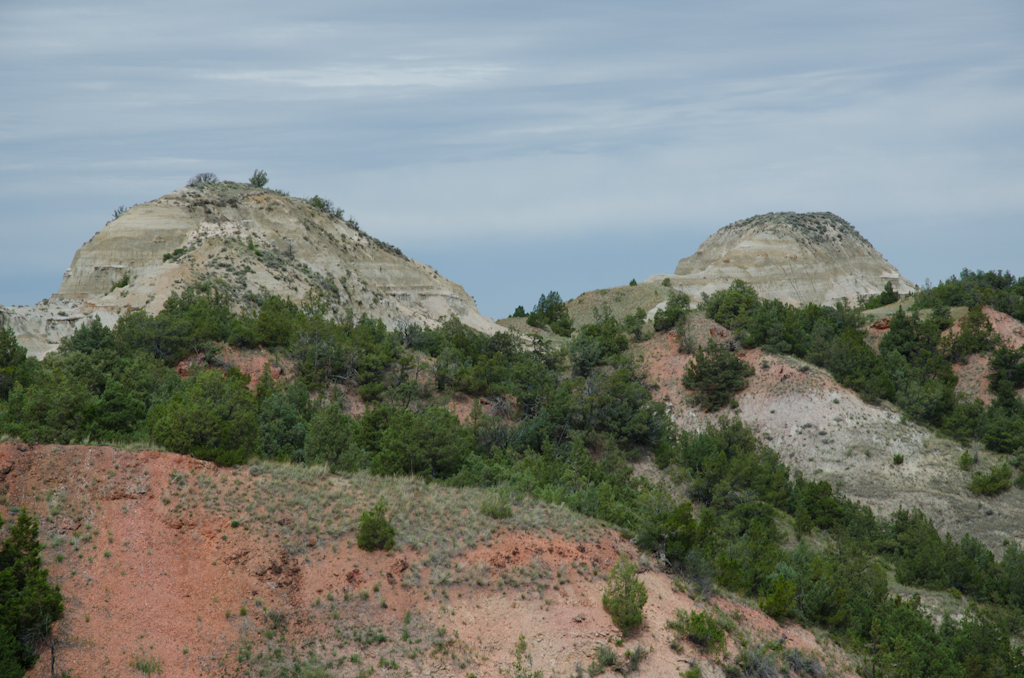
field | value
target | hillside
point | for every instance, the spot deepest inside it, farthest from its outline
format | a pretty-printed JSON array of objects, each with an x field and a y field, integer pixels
[
  {"x": 172, "y": 562},
  {"x": 828, "y": 432},
  {"x": 817, "y": 488},
  {"x": 619, "y": 302},
  {"x": 249, "y": 243},
  {"x": 800, "y": 259}
]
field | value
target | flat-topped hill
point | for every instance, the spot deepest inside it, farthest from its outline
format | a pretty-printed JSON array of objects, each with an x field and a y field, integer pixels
[{"x": 815, "y": 257}]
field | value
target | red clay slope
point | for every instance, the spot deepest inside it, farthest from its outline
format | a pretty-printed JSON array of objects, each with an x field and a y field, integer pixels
[{"x": 143, "y": 548}]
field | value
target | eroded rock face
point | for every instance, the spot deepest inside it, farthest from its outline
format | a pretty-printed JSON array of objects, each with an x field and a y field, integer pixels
[
  {"x": 248, "y": 242},
  {"x": 797, "y": 258}
]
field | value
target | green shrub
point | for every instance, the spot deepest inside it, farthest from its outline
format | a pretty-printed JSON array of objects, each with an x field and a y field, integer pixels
[
  {"x": 332, "y": 439},
  {"x": 633, "y": 324},
  {"x": 700, "y": 628},
  {"x": 734, "y": 307},
  {"x": 975, "y": 335},
  {"x": 755, "y": 663},
  {"x": 887, "y": 296},
  {"x": 375, "y": 531},
  {"x": 625, "y": 595},
  {"x": 12, "y": 360},
  {"x": 608, "y": 333},
  {"x": 326, "y": 206},
  {"x": 55, "y": 409},
  {"x": 584, "y": 355},
  {"x": 277, "y": 322},
  {"x": 1004, "y": 431},
  {"x": 715, "y": 375},
  {"x": 779, "y": 599},
  {"x": 674, "y": 313},
  {"x": 996, "y": 481},
  {"x": 604, "y": 657},
  {"x": 213, "y": 417},
  {"x": 123, "y": 281},
  {"x": 12, "y": 354},
  {"x": 432, "y": 443},
  {"x": 631, "y": 659},
  {"x": 897, "y": 459},
  {"x": 665, "y": 528},
  {"x": 967, "y": 461},
  {"x": 283, "y": 423},
  {"x": 632, "y": 283},
  {"x": 175, "y": 254},
  {"x": 258, "y": 178},
  {"x": 551, "y": 311},
  {"x": 522, "y": 665}
]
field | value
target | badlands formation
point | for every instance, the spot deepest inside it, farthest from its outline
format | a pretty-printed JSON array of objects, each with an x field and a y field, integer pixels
[
  {"x": 800, "y": 259},
  {"x": 248, "y": 242}
]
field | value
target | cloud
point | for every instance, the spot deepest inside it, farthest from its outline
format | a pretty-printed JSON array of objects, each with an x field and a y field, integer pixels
[
  {"x": 362, "y": 76},
  {"x": 526, "y": 125}
]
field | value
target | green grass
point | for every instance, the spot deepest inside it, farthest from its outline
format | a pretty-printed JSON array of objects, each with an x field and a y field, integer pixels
[{"x": 147, "y": 664}]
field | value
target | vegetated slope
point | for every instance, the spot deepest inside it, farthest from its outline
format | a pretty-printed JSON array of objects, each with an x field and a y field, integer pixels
[
  {"x": 248, "y": 242},
  {"x": 816, "y": 258},
  {"x": 827, "y": 432},
  {"x": 171, "y": 565},
  {"x": 974, "y": 372},
  {"x": 851, "y": 444},
  {"x": 562, "y": 433},
  {"x": 619, "y": 302}
]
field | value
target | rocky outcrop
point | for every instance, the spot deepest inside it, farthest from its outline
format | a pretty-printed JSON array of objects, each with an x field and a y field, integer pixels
[
  {"x": 249, "y": 243},
  {"x": 797, "y": 258}
]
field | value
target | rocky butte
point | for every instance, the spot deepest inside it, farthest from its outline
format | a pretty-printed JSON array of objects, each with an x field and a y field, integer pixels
[
  {"x": 248, "y": 242},
  {"x": 800, "y": 259}
]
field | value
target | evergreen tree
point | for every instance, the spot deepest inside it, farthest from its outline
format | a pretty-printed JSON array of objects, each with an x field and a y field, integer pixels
[
  {"x": 29, "y": 604},
  {"x": 716, "y": 374}
]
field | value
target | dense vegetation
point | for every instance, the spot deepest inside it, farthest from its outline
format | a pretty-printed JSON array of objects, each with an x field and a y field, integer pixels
[
  {"x": 913, "y": 364},
  {"x": 551, "y": 311},
  {"x": 563, "y": 426},
  {"x": 997, "y": 289},
  {"x": 29, "y": 604}
]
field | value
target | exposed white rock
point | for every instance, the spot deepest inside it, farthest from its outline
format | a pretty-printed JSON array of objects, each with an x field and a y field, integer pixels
[
  {"x": 248, "y": 242},
  {"x": 797, "y": 258}
]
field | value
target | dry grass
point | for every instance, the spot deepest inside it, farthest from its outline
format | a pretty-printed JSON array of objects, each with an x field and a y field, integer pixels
[
  {"x": 296, "y": 503},
  {"x": 620, "y": 301}
]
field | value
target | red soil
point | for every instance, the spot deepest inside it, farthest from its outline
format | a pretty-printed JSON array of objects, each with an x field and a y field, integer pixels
[
  {"x": 973, "y": 374},
  {"x": 250, "y": 362},
  {"x": 142, "y": 577}
]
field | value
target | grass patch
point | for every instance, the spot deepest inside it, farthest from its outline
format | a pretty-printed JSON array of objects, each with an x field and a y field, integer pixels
[{"x": 147, "y": 664}]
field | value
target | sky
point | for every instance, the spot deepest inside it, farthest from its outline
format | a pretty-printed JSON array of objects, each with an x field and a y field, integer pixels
[{"x": 523, "y": 147}]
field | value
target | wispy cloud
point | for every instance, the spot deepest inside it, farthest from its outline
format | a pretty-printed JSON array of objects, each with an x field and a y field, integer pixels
[
  {"x": 370, "y": 76},
  {"x": 523, "y": 122}
]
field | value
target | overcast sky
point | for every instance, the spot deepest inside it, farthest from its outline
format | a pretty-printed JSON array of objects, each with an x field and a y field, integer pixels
[{"x": 520, "y": 147}]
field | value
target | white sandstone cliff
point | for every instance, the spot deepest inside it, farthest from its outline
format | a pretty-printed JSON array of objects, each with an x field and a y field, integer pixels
[
  {"x": 248, "y": 242},
  {"x": 797, "y": 258}
]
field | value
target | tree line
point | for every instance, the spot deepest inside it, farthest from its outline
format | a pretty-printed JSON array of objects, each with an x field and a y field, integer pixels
[{"x": 565, "y": 425}]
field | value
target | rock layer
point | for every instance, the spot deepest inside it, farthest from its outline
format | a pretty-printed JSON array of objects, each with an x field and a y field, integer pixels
[
  {"x": 797, "y": 258},
  {"x": 249, "y": 243}
]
